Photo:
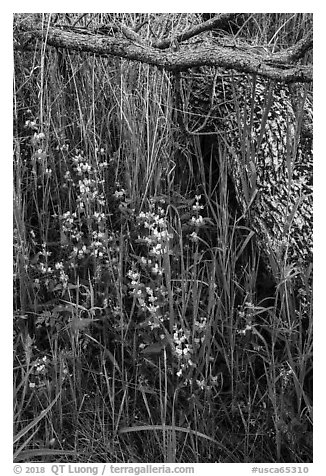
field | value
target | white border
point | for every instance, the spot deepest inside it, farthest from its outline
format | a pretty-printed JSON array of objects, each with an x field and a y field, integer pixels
[{"x": 319, "y": 200}]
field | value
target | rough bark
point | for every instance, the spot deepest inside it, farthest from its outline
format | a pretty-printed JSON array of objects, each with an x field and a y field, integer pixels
[{"x": 243, "y": 58}]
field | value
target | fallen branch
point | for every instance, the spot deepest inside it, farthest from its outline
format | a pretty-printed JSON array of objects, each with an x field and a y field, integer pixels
[{"x": 278, "y": 68}]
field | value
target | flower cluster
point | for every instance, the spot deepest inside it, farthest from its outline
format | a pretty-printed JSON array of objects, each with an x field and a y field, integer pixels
[
  {"x": 183, "y": 349},
  {"x": 43, "y": 371},
  {"x": 151, "y": 282},
  {"x": 157, "y": 237},
  {"x": 285, "y": 376},
  {"x": 39, "y": 375},
  {"x": 197, "y": 219},
  {"x": 81, "y": 242},
  {"x": 188, "y": 344},
  {"x": 147, "y": 276}
]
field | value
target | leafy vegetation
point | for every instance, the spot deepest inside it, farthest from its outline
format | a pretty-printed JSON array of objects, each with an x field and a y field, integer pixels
[{"x": 140, "y": 333}]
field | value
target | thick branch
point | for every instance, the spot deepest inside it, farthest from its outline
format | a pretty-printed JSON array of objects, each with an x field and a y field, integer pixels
[
  {"x": 185, "y": 58},
  {"x": 294, "y": 53}
]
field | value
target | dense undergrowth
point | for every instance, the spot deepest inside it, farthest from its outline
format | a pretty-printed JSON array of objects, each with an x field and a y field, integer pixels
[{"x": 139, "y": 331}]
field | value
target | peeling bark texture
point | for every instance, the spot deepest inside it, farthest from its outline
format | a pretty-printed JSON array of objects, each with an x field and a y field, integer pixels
[{"x": 266, "y": 131}]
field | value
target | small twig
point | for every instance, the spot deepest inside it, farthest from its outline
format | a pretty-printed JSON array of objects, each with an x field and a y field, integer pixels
[
  {"x": 78, "y": 19},
  {"x": 139, "y": 27},
  {"x": 208, "y": 25}
]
